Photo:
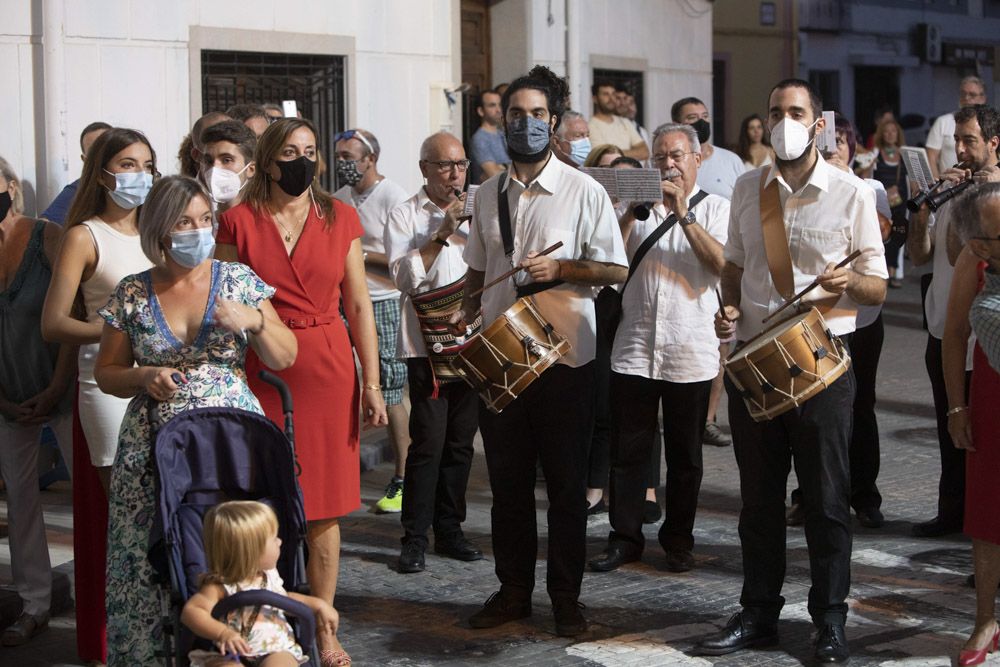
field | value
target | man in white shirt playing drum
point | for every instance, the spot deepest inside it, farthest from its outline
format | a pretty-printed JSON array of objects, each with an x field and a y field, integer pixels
[
  {"x": 665, "y": 351},
  {"x": 824, "y": 215},
  {"x": 550, "y": 421}
]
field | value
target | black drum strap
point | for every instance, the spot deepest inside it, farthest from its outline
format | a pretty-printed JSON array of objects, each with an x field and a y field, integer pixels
[{"x": 507, "y": 236}]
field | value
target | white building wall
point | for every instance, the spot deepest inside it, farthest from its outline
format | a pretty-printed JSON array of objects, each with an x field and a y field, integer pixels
[{"x": 127, "y": 62}]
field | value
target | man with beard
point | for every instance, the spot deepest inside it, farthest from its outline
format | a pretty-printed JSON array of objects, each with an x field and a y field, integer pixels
[
  {"x": 976, "y": 131},
  {"x": 719, "y": 167},
  {"x": 606, "y": 127},
  {"x": 665, "y": 352},
  {"x": 824, "y": 215},
  {"x": 489, "y": 152},
  {"x": 540, "y": 201}
]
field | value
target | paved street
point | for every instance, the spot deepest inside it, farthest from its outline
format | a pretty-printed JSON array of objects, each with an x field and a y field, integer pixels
[{"x": 909, "y": 605}]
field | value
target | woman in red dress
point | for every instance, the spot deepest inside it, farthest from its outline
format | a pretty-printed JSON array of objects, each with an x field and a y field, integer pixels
[{"x": 306, "y": 244}]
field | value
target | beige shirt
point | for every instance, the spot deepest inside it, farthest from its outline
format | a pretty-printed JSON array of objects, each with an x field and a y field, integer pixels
[{"x": 619, "y": 132}]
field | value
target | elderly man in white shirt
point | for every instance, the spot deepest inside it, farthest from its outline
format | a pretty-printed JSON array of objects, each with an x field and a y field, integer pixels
[
  {"x": 665, "y": 352},
  {"x": 551, "y": 421},
  {"x": 827, "y": 214},
  {"x": 424, "y": 242}
]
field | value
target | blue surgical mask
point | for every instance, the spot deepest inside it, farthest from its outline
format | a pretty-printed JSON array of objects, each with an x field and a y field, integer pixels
[
  {"x": 528, "y": 135},
  {"x": 131, "y": 188},
  {"x": 192, "y": 247},
  {"x": 579, "y": 149}
]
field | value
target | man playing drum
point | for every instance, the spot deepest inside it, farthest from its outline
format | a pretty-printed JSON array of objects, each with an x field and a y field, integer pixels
[
  {"x": 815, "y": 217},
  {"x": 424, "y": 245},
  {"x": 665, "y": 352},
  {"x": 545, "y": 202}
]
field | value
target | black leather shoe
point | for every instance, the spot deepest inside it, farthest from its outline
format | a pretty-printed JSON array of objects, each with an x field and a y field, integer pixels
[
  {"x": 499, "y": 609},
  {"x": 459, "y": 549},
  {"x": 871, "y": 517},
  {"x": 740, "y": 632},
  {"x": 679, "y": 560},
  {"x": 936, "y": 528},
  {"x": 569, "y": 617},
  {"x": 613, "y": 558},
  {"x": 831, "y": 644},
  {"x": 651, "y": 511},
  {"x": 600, "y": 507},
  {"x": 411, "y": 558}
]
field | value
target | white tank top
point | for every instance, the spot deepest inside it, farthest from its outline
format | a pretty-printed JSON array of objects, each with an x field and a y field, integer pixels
[{"x": 118, "y": 255}]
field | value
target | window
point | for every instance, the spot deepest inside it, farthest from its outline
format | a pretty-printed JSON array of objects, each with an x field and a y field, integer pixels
[
  {"x": 632, "y": 81},
  {"x": 315, "y": 82}
]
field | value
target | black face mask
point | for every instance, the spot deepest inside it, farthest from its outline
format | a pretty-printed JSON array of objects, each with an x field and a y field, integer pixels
[
  {"x": 5, "y": 204},
  {"x": 703, "y": 128},
  {"x": 296, "y": 175}
]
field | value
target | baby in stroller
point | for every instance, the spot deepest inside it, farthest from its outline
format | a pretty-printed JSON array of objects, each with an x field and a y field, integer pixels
[{"x": 242, "y": 547}]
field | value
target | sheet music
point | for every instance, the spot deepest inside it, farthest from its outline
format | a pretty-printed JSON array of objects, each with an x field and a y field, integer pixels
[
  {"x": 470, "y": 200},
  {"x": 634, "y": 185},
  {"x": 917, "y": 166}
]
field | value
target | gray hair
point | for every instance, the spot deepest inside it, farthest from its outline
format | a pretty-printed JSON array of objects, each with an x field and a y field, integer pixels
[
  {"x": 428, "y": 143},
  {"x": 568, "y": 115},
  {"x": 972, "y": 78},
  {"x": 376, "y": 149},
  {"x": 967, "y": 217},
  {"x": 17, "y": 199},
  {"x": 166, "y": 203},
  {"x": 683, "y": 128}
]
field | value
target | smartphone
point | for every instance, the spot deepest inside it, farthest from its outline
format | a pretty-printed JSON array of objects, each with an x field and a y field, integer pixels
[
  {"x": 290, "y": 109},
  {"x": 826, "y": 140}
]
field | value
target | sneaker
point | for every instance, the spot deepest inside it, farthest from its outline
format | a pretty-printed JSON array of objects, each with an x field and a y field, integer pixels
[
  {"x": 714, "y": 436},
  {"x": 24, "y": 628},
  {"x": 392, "y": 501}
]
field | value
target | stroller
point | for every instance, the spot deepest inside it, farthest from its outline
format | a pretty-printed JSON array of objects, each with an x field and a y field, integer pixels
[{"x": 206, "y": 456}]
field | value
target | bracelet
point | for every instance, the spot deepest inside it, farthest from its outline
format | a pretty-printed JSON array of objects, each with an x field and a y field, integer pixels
[
  {"x": 260, "y": 328},
  {"x": 373, "y": 387},
  {"x": 955, "y": 411}
]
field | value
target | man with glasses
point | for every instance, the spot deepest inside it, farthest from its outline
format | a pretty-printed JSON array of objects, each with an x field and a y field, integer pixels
[
  {"x": 424, "y": 240},
  {"x": 941, "y": 140},
  {"x": 374, "y": 195}
]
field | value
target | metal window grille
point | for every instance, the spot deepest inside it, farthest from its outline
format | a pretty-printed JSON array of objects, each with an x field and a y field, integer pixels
[{"x": 315, "y": 82}]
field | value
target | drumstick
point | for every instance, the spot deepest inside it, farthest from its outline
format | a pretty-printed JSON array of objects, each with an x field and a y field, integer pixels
[
  {"x": 847, "y": 260},
  {"x": 555, "y": 246},
  {"x": 722, "y": 307}
]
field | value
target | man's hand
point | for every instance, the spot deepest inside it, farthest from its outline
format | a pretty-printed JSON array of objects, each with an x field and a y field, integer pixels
[
  {"x": 674, "y": 198},
  {"x": 542, "y": 268},
  {"x": 453, "y": 218},
  {"x": 457, "y": 324},
  {"x": 834, "y": 280},
  {"x": 956, "y": 174},
  {"x": 989, "y": 174},
  {"x": 725, "y": 327}
]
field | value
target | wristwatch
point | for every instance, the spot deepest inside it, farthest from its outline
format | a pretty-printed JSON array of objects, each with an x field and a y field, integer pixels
[
  {"x": 439, "y": 240},
  {"x": 688, "y": 219}
]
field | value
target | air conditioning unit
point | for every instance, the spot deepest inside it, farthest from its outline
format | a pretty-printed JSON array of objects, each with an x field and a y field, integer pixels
[{"x": 929, "y": 42}]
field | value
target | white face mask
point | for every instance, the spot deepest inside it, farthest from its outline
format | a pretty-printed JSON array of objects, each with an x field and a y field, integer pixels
[
  {"x": 790, "y": 138},
  {"x": 224, "y": 184}
]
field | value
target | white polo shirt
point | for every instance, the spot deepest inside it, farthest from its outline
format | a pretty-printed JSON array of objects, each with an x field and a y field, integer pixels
[
  {"x": 562, "y": 204},
  {"x": 408, "y": 229},
  {"x": 667, "y": 328},
  {"x": 717, "y": 175},
  {"x": 941, "y": 137},
  {"x": 373, "y": 207},
  {"x": 830, "y": 217}
]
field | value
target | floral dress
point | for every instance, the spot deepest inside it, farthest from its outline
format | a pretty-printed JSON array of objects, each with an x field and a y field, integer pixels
[
  {"x": 214, "y": 368},
  {"x": 269, "y": 631}
]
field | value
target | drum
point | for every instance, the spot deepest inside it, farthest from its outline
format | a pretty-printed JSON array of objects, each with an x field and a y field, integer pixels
[
  {"x": 503, "y": 360},
  {"x": 787, "y": 365},
  {"x": 434, "y": 308}
]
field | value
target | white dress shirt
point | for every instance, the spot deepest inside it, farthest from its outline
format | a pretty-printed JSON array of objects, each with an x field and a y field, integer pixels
[
  {"x": 830, "y": 217},
  {"x": 373, "y": 207},
  {"x": 667, "y": 328},
  {"x": 408, "y": 229},
  {"x": 561, "y": 204}
]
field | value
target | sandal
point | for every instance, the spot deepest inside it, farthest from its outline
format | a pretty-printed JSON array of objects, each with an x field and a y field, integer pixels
[{"x": 334, "y": 659}]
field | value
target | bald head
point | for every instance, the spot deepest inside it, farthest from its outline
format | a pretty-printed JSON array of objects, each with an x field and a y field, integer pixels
[
  {"x": 439, "y": 144},
  {"x": 443, "y": 165}
]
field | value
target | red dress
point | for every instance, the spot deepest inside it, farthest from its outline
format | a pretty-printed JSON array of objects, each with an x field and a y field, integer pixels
[
  {"x": 982, "y": 521},
  {"x": 323, "y": 379}
]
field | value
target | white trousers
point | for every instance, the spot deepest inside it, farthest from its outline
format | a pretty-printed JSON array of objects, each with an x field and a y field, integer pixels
[{"x": 29, "y": 551}]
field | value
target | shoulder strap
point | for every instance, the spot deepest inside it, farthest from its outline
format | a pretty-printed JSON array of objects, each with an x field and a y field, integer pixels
[
  {"x": 503, "y": 209},
  {"x": 658, "y": 233},
  {"x": 772, "y": 223}
]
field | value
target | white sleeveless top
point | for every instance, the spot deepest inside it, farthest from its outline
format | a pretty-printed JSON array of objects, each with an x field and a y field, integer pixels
[{"x": 118, "y": 255}]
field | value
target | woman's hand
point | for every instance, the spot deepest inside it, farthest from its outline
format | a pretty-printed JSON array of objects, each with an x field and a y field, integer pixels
[
  {"x": 38, "y": 408},
  {"x": 231, "y": 642},
  {"x": 12, "y": 411},
  {"x": 960, "y": 430},
  {"x": 327, "y": 618},
  {"x": 373, "y": 407},
  {"x": 162, "y": 383},
  {"x": 236, "y": 317}
]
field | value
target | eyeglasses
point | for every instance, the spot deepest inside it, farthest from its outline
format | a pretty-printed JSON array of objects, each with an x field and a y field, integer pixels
[
  {"x": 676, "y": 156},
  {"x": 354, "y": 134},
  {"x": 445, "y": 166}
]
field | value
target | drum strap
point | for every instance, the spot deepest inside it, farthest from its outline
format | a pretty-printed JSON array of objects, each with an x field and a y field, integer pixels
[
  {"x": 507, "y": 236},
  {"x": 772, "y": 223}
]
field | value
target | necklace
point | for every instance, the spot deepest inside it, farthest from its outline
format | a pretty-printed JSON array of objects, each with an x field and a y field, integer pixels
[{"x": 290, "y": 232}]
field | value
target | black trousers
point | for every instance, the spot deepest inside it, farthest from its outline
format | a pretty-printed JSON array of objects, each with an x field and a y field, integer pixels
[
  {"x": 685, "y": 408},
  {"x": 816, "y": 436},
  {"x": 440, "y": 455},
  {"x": 550, "y": 422},
  {"x": 951, "y": 487},
  {"x": 866, "y": 348},
  {"x": 600, "y": 443}
]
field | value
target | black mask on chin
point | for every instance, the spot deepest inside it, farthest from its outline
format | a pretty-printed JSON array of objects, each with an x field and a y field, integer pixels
[
  {"x": 296, "y": 175},
  {"x": 529, "y": 157},
  {"x": 703, "y": 128},
  {"x": 5, "y": 204}
]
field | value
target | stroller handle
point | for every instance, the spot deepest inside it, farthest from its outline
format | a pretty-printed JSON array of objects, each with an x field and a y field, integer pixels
[
  {"x": 305, "y": 617},
  {"x": 279, "y": 384}
]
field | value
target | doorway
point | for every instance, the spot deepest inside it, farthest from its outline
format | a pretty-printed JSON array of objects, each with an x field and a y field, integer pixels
[
  {"x": 476, "y": 65},
  {"x": 874, "y": 88}
]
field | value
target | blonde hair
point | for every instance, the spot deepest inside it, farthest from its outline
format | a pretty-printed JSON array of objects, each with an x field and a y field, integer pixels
[
  {"x": 236, "y": 535},
  {"x": 17, "y": 199}
]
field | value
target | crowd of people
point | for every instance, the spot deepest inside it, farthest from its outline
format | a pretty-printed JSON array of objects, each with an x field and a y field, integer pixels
[{"x": 136, "y": 293}]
